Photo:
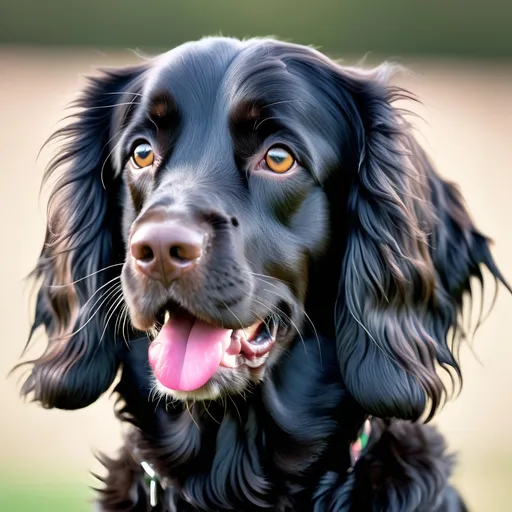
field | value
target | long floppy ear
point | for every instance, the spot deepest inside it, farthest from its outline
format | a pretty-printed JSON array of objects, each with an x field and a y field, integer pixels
[
  {"x": 410, "y": 252},
  {"x": 79, "y": 265}
]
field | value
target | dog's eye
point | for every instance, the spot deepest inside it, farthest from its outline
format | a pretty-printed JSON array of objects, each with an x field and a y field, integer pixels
[
  {"x": 279, "y": 159},
  {"x": 143, "y": 155}
]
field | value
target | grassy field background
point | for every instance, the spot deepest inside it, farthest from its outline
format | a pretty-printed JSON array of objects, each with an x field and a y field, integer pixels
[{"x": 45, "y": 456}]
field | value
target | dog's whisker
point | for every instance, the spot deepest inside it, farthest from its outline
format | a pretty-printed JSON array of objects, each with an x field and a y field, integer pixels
[
  {"x": 263, "y": 320},
  {"x": 274, "y": 308},
  {"x": 156, "y": 396},
  {"x": 159, "y": 397},
  {"x": 100, "y": 107},
  {"x": 118, "y": 326},
  {"x": 256, "y": 126},
  {"x": 132, "y": 102},
  {"x": 308, "y": 318},
  {"x": 118, "y": 301},
  {"x": 218, "y": 315},
  {"x": 125, "y": 326},
  {"x": 82, "y": 309},
  {"x": 264, "y": 277},
  {"x": 280, "y": 103},
  {"x": 236, "y": 408},
  {"x": 153, "y": 393},
  {"x": 236, "y": 318},
  {"x": 157, "y": 128},
  {"x": 121, "y": 317},
  {"x": 107, "y": 158},
  {"x": 207, "y": 410},
  {"x": 187, "y": 404},
  {"x": 121, "y": 324},
  {"x": 115, "y": 298},
  {"x": 123, "y": 93},
  {"x": 135, "y": 340},
  {"x": 117, "y": 323},
  {"x": 56, "y": 286},
  {"x": 109, "y": 293},
  {"x": 105, "y": 297}
]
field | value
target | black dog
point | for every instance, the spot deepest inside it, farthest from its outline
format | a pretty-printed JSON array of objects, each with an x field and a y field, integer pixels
[{"x": 264, "y": 221}]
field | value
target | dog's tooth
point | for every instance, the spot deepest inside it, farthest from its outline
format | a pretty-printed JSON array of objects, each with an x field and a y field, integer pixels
[{"x": 166, "y": 316}]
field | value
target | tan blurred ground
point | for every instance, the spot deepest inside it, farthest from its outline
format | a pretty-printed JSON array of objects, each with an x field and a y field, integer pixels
[{"x": 468, "y": 130}]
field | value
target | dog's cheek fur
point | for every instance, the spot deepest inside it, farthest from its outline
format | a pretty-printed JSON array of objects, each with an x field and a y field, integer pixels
[
  {"x": 77, "y": 266},
  {"x": 310, "y": 224}
]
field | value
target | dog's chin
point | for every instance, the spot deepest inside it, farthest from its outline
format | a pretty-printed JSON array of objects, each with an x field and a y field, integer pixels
[{"x": 225, "y": 382}]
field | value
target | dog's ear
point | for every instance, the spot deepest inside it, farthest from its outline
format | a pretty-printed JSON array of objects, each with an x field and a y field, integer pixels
[
  {"x": 79, "y": 266},
  {"x": 411, "y": 250}
]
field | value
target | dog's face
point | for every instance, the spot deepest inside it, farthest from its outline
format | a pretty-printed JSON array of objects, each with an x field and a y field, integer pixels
[
  {"x": 239, "y": 197},
  {"x": 224, "y": 155}
]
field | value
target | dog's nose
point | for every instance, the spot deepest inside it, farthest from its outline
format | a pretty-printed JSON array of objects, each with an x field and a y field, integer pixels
[{"x": 166, "y": 250}]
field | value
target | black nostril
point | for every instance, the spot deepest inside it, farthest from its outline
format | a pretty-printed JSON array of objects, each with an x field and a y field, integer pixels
[
  {"x": 234, "y": 221},
  {"x": 146, "y": 254},
  {"x": 185, "y": 252},
  {"x": 176, "y": 253}
]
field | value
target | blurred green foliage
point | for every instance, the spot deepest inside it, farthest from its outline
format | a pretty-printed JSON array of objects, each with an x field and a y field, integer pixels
[
  {"x": 392, "y": 27},
  {"x": 39, "y": 493}
]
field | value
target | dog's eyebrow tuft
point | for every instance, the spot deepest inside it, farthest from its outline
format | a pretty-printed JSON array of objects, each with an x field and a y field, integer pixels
[
  {"x": 161, "y": 106},
  {"x": 247, "y": 111}
]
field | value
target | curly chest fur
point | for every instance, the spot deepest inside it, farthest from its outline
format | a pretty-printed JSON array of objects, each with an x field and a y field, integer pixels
[{"x": 265, "y": 450}]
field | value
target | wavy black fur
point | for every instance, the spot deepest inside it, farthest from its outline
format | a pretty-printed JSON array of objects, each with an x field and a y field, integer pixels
[{"x": 388, "y": 252}]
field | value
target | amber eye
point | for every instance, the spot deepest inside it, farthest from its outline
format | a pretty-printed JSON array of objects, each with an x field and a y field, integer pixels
[
  {"x": 279, "y": 159},
  {"x": 143, "y": 155}
]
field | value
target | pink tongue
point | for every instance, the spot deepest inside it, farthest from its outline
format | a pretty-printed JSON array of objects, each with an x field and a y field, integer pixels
[{"x": 187, "y": 352}]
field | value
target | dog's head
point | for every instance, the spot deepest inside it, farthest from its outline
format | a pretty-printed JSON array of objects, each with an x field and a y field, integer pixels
[{"x": 237, "y": 196}]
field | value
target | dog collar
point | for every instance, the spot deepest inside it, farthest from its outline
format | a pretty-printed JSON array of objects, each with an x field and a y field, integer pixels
[{"x": 356, "y": 448}]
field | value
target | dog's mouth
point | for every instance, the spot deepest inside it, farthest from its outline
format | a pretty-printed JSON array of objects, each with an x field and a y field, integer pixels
[{"x": 188, "y": 351}]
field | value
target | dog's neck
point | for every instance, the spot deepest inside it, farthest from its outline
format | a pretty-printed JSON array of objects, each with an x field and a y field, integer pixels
[{"x": 295, "y": 416}]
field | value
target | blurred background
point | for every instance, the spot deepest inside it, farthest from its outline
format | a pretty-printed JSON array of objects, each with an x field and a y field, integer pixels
[{"x": 459, "y": 54}]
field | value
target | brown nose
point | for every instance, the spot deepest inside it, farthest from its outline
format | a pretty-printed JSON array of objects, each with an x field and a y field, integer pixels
[{"x": 165, "y": 250}]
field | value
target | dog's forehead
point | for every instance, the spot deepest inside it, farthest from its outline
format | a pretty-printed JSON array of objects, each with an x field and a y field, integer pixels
[
  {"x": 214, "y": 70},
  {"x": 195, "y": 70}
]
